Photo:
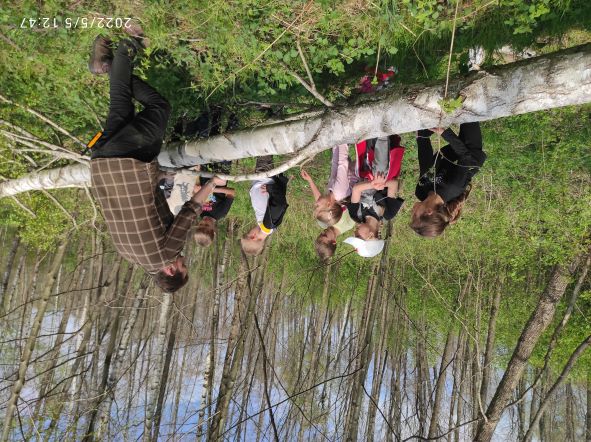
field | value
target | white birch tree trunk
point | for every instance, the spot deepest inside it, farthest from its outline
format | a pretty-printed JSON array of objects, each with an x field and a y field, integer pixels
[
  {"x": 156, "y": 371},
  {"x": 554, "y": 80}
]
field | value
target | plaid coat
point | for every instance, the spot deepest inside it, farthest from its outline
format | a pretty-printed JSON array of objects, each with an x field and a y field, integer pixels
[{"x": 143, "y": 230}]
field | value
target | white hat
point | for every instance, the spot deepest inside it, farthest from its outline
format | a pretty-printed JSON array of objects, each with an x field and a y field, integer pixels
[{"x": 366, "y": 248}]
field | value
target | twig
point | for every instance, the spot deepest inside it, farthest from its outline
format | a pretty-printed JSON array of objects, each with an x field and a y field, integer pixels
[
  {"x": 417, "y": 54},
  {"x": 9, "y": 41},
  {"x": 308, "y": 87},
  {"x": 478, "y": 9},
  {"x": 22, "y": 206},
  {"x": 451, "y": 47},
  {"x": 96, "y": 118},
  {"x": 55, "y": 150},
  {"x": 375, "y": 72},
  {"x": 305, "y": 64},
  {"x": 58, "y": 204},
  {"x": 94, "y": 209},
  {"x": 43, "y": 118}
]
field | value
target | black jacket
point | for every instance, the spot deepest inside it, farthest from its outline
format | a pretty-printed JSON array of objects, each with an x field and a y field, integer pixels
[
  {"x": 277, "y": 205},
  {"x": 449, "y": 172}
]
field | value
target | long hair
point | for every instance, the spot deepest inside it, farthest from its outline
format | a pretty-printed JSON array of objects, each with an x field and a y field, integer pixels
[{"x": 434, "y": 224}]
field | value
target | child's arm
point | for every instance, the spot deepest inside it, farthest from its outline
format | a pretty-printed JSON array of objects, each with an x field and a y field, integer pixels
[
  {"x": 358, "y": 188},
  {"x": 338, "y": 183},
  {"x": 228, "y": 191},
  {"x": 392, "y": 186},
  {"x": 392, "y": 202},
  {"x": 425, "y": 150},
  {"x": 315, "y": 192},
  {"x": 466, "y": 153}
]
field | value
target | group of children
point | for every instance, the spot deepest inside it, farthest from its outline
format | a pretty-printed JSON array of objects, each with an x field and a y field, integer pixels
[{"x": 360, "y": 193}]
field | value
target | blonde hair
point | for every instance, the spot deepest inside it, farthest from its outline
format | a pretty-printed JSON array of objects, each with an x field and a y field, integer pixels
[
  {"x": 252, "y": 247},
  {"x": 330, "y": 216}
]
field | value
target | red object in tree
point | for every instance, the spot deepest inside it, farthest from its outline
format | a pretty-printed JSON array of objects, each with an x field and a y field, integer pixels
[{"x": 367, "y": 84}]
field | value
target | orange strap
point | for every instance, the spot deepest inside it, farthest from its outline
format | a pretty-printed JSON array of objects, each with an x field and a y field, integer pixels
[{"x": 94, "y": 139}]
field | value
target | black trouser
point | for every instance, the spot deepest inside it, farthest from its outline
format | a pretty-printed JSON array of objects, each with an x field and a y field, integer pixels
[
  {"x": 126, "y": 134},
  {"x": 469, "y": 134}
]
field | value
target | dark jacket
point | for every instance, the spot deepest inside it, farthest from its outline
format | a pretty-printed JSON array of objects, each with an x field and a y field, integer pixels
[
  {"x": 391, "y": 206},
  {"x": 277, "y": 205},
  {"x": 449, "y": 172}
]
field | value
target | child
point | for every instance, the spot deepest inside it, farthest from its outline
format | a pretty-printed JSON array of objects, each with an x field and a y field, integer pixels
[
  {"x": 445, "y": 177},
  {"x": 269, "y": 203},
  {"x": 215, "y": 208},
  {"x": 328, "y": 207},
  {"x": 376, "y": 198}
]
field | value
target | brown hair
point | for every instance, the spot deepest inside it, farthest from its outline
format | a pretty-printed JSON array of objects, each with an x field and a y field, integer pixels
[
  {"x": 170, "y": 283},
  {"x": 204, "y": 235},
  {"x": 448, "y": 213},
  {"x": 330, "y": 216},
  {"x": 252, "y": 247},
  {"x": 325, "y": 248}
]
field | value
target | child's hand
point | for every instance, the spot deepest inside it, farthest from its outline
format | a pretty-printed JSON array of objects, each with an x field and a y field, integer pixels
[
  {"x": 264, "y": 189},
  {"x": 305, "y": 175},
  {"x": 379, "y": 181}
]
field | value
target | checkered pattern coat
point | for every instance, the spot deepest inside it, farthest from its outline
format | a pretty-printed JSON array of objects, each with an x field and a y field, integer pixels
[{"x": 140, "y": 223}]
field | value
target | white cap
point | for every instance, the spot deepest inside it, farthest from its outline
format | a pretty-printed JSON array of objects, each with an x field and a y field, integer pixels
[{"x": 366, "y": 248}]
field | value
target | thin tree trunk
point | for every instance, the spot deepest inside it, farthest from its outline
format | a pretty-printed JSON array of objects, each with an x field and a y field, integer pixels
[
  {"x": 115, "y": 371},
  {"x": 537, "y": 323},
  {"x": 440, "y": 384},
  {"x": 588, "y": 414},
  {"x": 8, "y": 268},
  {"x": 157, "y": 369},
  {"x": 241, "y": 324},
  {"x": 165, "y": 376},
  {"x": 31, "y": 341},
  {"x": 565, "y": 371},
  {"x": 570, "y": 414},
  {"x": 521, "y": 410},
  {"x": 490, "y": 343},
  {"x": 109, "y": 356},
  {"x": 12, "y": 290}
]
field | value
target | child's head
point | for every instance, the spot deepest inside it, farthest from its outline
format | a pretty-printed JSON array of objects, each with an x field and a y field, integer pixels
[
  {"x": 327, "y": 210},
  {"x": 369, "y": 229},
  {"x": 430, "y": 217},
  {"x": 205, "y": 231},
  {"x": 253, "y": 241},
  {"x": 326, "y": 243}
]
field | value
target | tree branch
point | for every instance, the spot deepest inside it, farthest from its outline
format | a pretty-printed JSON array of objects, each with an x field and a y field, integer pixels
[{"x": 44, "y": 119}]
